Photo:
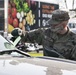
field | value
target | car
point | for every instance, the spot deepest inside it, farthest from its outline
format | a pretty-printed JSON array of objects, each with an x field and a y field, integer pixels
[
  {"x": 16, "y": 62},
  {"x": 72, "y": 23}
]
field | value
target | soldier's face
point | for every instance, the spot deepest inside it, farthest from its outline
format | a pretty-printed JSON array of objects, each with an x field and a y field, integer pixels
[{"x": 57, "y": 27}]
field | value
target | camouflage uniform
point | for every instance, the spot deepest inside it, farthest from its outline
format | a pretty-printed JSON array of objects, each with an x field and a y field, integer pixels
[{"x": 63, "y": 44}]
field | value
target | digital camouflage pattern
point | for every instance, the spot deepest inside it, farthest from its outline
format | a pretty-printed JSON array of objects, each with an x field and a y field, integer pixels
[{"x": 63, "y": 44}]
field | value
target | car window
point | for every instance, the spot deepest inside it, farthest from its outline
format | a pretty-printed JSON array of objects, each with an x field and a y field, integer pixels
[
  {"x": 72, "y": 25},
  {"x": 9, "y": 45},
  {"x": 5, "y": 44}
]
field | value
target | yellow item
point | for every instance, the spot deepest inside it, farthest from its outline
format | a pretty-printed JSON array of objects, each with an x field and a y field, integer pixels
[{"x": 10, "y": 28}]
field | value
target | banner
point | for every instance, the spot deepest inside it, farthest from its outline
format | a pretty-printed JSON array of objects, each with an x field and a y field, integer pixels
[{"x": 28, "y": 14}]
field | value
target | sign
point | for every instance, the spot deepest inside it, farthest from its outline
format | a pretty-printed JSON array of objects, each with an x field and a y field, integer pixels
[
  {"x": 29, "y": 14},
  {"x": 45, "y": 12}
]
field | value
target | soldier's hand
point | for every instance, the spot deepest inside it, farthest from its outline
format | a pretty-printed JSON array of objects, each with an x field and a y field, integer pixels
[{"x": 17, "y": 32}]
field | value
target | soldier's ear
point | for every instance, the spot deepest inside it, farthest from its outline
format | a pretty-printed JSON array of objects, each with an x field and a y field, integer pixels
[{"x": 65, "y": 24}]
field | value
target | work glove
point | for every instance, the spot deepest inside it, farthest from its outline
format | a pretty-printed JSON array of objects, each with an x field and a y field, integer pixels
[{"x": 17, "y": 32}]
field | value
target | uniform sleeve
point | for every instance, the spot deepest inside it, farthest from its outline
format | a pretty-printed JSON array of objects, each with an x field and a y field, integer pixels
[
  {"x": 33, "y": 36},
  {"x": 73, "y": 53}
]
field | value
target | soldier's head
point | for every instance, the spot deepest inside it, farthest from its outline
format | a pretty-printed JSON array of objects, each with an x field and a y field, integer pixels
[{"x": 59, "y": 20}]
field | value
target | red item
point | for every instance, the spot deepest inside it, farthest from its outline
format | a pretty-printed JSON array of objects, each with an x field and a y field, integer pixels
[
  {"x": 14, "y": 12},
  {"x": 15, "y": 22}
]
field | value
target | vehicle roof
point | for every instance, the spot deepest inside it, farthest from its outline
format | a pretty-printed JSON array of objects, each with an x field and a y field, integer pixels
[{"x": 36, "y": 66}]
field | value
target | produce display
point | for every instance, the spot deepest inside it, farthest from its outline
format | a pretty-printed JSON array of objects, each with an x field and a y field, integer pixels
[{"x": 20, "y": 13}]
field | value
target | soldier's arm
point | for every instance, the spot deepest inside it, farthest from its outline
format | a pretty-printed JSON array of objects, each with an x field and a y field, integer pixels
[{"x": 33, "y": 36}]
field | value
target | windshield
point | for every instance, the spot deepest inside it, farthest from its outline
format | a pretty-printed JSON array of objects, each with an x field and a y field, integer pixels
[
  {"x": 5, "y": 45},
  {"x": 8, "y": 47}
]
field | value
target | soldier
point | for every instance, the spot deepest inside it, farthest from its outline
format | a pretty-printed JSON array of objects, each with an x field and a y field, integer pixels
[{"x": 57, "y": 40}]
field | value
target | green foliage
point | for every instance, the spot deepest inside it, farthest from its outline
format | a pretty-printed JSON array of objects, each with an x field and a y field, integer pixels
[{"x": 22, "y": 5}]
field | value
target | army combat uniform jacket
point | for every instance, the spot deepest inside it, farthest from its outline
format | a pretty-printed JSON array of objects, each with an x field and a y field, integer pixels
[{"x": 63, "y": 45}]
